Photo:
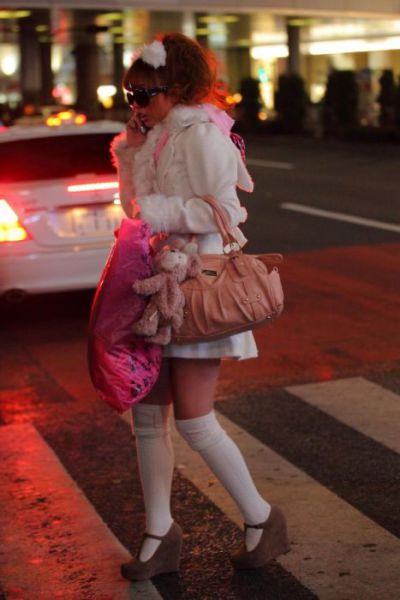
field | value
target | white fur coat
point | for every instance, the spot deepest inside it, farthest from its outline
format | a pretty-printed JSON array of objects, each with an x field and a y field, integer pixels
[{"x": 197, "y": 159}]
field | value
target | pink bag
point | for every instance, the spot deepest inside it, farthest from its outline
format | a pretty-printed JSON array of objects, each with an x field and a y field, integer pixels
[{"x": 123, "y": 367}]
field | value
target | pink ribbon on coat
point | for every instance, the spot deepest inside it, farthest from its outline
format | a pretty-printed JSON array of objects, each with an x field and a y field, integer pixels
[{"x": 219, "y": 117}]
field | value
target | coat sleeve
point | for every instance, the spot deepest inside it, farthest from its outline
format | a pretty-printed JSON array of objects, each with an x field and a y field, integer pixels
[
  {"x": 122, "y": 157},
  {"x": 212, "y": 168}
]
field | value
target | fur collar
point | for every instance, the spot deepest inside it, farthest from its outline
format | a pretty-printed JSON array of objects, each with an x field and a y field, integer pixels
[
  {"x": 182, "y": 116},
  {"x": 177, "y": 119},
  {"x": 144, "y": 167}
]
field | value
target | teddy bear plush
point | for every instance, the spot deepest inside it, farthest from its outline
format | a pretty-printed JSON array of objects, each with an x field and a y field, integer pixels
[{"x": 164, "y": 310}]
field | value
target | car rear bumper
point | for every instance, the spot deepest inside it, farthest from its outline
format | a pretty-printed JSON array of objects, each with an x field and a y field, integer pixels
[{"x": 35, "y": 272}]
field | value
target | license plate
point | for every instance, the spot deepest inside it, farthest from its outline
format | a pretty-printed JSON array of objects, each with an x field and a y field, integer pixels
[{"x": 86, "y": 221}]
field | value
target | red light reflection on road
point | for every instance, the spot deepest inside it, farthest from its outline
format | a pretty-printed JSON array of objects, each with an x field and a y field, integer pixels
[
  {"x": 333, "y": 325},
  {"x": 326, "y": 373},
  {"x": 20, "y": 403},
  {"x": 35, "y": 561}
]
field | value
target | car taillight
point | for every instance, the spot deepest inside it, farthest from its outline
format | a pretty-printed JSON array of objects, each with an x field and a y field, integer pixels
[
  {"x": 66, "y": 117},
  {"x": 11, "y": 229},
  {"x": 92, "y": 187}
]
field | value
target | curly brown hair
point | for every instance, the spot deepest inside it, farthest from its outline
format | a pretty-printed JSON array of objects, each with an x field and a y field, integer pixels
[{"x": 190, "y": 70}]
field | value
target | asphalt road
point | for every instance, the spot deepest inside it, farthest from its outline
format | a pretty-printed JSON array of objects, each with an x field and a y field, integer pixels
[
  {"x": 357, "y": 180},
  {"x": 316, "y": 415}
]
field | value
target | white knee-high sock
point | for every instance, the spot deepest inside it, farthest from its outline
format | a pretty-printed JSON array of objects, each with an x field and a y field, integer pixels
[
  {"x": 206, "y": 436},
  {"x": 156, "y": 465}
]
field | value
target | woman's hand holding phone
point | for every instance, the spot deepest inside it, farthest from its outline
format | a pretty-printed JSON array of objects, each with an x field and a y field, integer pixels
[{"x": 135, "y": 132}]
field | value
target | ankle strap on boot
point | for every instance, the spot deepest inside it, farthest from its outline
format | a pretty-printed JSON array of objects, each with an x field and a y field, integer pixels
[
  {"x": 155, "y": 537},
  {"x": 258, "y": 526}
]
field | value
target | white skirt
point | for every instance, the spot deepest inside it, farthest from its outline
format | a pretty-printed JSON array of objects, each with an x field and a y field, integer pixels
[{"x": 240, "y": 347}]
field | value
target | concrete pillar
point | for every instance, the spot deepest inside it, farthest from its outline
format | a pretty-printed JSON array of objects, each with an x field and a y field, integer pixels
[
  {"x": 118, "y": 63},
  {"x": 201, "y": 30},
  {"x": 30, "y": 62},
  {"x": 47, "y": 79},
  {"x": 86, "y": 61},
  {"x": 238, "y": 66},
  {"x": 293, "y": 41},
  {"x": 189, "y": 23}
]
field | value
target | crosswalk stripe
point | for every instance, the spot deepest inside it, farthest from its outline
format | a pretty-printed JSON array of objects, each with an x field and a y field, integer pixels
[
  {"x": 337, "y": 552},
  {"x": 359, "y": 403},
  {"x": 54, "y": 544}
]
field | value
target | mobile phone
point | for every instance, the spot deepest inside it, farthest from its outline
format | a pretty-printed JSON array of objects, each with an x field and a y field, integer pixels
[{"x": 143, "y": 128}]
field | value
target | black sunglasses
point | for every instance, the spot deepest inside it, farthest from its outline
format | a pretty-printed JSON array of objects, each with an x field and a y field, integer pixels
[{"x": 141, "y": 96}]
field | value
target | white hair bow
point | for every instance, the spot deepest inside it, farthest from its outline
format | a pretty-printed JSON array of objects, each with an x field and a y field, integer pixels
[{"x": 153, "y": 54}]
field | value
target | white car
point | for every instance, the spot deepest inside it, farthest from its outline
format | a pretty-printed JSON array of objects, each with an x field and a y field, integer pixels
[{"x": 59, "y": 206}]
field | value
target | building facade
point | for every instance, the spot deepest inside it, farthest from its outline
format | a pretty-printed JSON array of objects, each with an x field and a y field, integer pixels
[{"x": 75, "y": 52}]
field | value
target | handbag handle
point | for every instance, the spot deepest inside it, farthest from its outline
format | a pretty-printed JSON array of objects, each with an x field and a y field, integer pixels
[
  {"x": 231, "y": 245},
  {"x": 222, "y": 219}
]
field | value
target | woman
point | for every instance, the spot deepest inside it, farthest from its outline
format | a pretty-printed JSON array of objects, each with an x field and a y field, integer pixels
[{"x": 175, "y": 150}]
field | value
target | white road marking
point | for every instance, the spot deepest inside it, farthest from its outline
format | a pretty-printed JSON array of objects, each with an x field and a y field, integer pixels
[
  {"x": 328, "y": 535},
  {"x": 337, "y": 216},
  {"x": 270, "y": 164},
  {"x": 359, "y": 403},
  {"x": 54, "y": 544}
]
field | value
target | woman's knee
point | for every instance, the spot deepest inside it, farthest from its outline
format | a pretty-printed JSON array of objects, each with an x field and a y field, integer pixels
[
  {"x": 151, "y": 420},
  {"x": 193, "y": 383},
  {"x": 201, "y": 433}
]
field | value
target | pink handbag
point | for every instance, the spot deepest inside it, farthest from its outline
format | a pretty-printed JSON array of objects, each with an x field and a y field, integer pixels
[
  {"x": 123, "y": 367},
  {"x": 233, "y": 292}
]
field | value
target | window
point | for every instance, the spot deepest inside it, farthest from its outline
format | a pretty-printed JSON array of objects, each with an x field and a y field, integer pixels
[{"x": 55, "y": 157}]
